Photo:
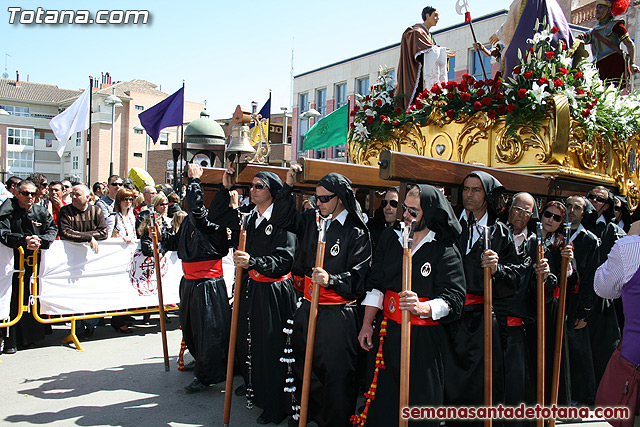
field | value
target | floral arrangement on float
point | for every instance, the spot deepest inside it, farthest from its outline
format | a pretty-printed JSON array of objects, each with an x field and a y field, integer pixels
[{"x": 522, "y": 99}]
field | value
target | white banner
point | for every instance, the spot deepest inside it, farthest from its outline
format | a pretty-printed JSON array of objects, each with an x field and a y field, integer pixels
[
  {"x": 6, "y": 271},
  {"x": 73, "y": 279}
]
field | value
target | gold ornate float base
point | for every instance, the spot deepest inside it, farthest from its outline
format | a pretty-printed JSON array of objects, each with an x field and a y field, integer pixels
[{"x": 557, "y": 146}]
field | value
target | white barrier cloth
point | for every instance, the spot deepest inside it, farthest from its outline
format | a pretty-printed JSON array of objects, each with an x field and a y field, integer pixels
[
  {"x": 6, "y": 272},
  {"x": 73, "y": 279}
]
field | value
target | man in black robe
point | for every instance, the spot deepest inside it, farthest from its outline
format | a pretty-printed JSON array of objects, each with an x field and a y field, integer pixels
[
  {"x": 580, "y": 302},
  {"x": 268, "y": 297},
  {"x": 347, "y": 260},
  {"x": 31, "y": 227},
  {"x": 436, "y": 299},
  {"x": 464, "y": 369},
  {"x": 205, "y": 314}
]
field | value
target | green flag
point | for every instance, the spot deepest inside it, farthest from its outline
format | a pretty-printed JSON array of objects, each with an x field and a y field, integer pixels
[{"x": 329, "y": 131}]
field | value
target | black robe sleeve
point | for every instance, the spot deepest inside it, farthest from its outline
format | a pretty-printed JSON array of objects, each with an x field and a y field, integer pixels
[
  {"x": 450, "y": 283},
  {"x": 280, "y": 261},
  {"x": 349, "y": 284},
  {"x": 285, "y": 215}
]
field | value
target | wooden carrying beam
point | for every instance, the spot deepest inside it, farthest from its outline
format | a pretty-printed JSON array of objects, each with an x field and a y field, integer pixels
[
  {"x": 419, "y": 169},
  {"x": 361, "y": 176}
]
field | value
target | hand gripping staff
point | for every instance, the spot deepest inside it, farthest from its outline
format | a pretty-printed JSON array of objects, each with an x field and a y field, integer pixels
[
  {"x": 540, "y": 317},
  {"x": 557, "y": 355},
  {"x": 488, "y": 331},
  {"x": 154, "y": 231},
  {"x": 228, "y": 390},
  {"x": 463, "y": 6},
  {"x": 313, "y": 315},
  {"x": 405, "y": 331}
]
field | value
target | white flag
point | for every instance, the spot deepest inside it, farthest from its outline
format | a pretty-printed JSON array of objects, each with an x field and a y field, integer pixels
[{"x": 73, "y": 119}]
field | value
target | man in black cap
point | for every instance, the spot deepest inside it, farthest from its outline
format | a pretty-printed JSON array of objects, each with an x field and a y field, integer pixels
[
  {"x": 464, "y": 365},
  {"x": 347, "y": 260},
  {"x": 268, "y": 297},
  {"x": 205, "y": 315},
  {"x": 436, "y": 299}
]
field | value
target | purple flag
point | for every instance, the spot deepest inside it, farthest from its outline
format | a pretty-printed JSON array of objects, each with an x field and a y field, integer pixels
[{"x": 168, "y": 112}]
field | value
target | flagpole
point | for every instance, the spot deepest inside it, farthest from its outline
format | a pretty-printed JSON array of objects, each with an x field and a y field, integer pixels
[
  {"x": 269, "y": 128},
  {"x": 89, "y": 135},
  {"x": 183, "y": 151}
]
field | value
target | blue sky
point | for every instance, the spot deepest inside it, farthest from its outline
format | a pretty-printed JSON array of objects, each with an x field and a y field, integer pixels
[{"x": 227, "y": 52}]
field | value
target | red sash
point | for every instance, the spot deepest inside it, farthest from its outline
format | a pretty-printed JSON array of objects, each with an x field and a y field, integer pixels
[
  {"x": 471, "y": 299},
  {"x": 202, "y": 269},
  {"x": 514, "y": 321},
  {"x": 391, "y": 310},
  {"x": 327, "y": 296},
  {"x": 254, "y": 275},
  {"x": 298, "y": 283}
]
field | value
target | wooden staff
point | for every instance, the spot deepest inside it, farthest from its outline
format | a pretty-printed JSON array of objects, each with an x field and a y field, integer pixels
[
  {"x": 154, "y": 230},
  {"x": 540, "y": 324},
  {"x": 405, "y": 329},
  {"x": 313, "y": 315},
  {"x": 557, "y": 355},
  {"x": 488, "y": 333},
  {"x": 237, "y": 292},
  {"x": 462, "y": 7}
]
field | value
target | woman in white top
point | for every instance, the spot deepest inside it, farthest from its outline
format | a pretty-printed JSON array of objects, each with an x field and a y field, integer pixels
[{"x": 122, "y": 223}]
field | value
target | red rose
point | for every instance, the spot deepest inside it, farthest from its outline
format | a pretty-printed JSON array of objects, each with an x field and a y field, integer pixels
[
  {"x": 486, "y": 100},
  {"x": 499, "y": 96},
  {"x": 478, "y": 84},
  {"x": 352, "y": 124},
  {"x": 578, "y": 75},
  {"x": 391, "y": 94},
  {"x": 465, "y": 96},
  {"x": 542, "y": 81},
  {"x": 451, "y": 113},
  {"x": 379, "y": 102},
  {"x": 554, "y": 30},
  {"x": 396, "y": 123},
  {"x": 549, "y": 55},
  {"x": 465, "y": 76},
  {"x": 491, "y": 114},
  {"x": 384, "y": 119},
  {"x": 480, "y": 92},
  {"x": 356, "y": 109},
  {"x": 589, "y": 93},
  {"x": 502, "y": 108},
  {"x": 528, "y": 74},
  {"x": 490, "y": 82},
  {"x": 398, "y": 110},
  {"x": 418, "y": 104},
  {"x": 558, "y": 82},
  {"x": 585, "y": 113},
  {"x": 580, "y": 91},
  {"x": 522, "y": 93},
  {"x": 451, "y": 85},
  {"x": 531, "y": 50},
  {"x": 369, "y": 119},
  {"x": 590, "y": 105},
  {"x": 477, "y": 105},
  {"x": 463, "y": 87},
  {"x": 511, "y": 108},
  {"x": 436, "y": 90},
  {"x": 595, "y": 100},
  {"x": 517, "y": 70},
  {"x": 353, "y": 112},
  {"x": 450, "y": 96},
  {"x": 563, "y": 71}
]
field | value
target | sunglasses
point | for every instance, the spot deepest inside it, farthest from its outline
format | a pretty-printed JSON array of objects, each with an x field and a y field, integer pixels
[
  {"x": 66, "y": 186},
  {"x": 325, "y": 199},
  {"x": 44, "y": 184},
  {"x": 599, "y": 199},
  {"x": 258, "y": 186},
  {"x": 411, "y": 211},
  {"x": 617, "y": 208},
  {"x": 28, "y": 193},
  {"x": 128, "y": 199},
  {"x": 549, "y": 214},
  {"x": 385, "y": 202},
  {"x": 163, "y": 204},
  {"x": 116, "y": 184}
]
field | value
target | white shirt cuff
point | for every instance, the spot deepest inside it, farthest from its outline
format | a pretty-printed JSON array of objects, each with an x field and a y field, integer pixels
[
  {"x": 374, "y": 298},
  {"x": 439, "y": 309}
]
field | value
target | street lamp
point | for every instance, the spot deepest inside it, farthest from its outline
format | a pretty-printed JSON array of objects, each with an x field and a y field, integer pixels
[
  {"x": 146, "y": 143},
  {"x": 114, "y": 101},
  {"x": 308, "y": 115},
  {"x": 284, "y": 128}
]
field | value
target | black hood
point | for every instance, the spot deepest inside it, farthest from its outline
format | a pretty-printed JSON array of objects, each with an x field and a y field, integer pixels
[
  {"x": 271, "y": 180},
  {"x": 589, "y": 216},
  {"x": 438, "y": 214},
  {"x": 341, "y": 187},
  {"x": 493, "y": 189}
]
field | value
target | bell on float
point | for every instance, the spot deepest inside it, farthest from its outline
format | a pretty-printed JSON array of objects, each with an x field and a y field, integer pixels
[{"x": 240, "y": 143}]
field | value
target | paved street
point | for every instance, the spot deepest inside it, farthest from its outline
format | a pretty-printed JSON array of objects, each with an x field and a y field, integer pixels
[{"x": 119, "y": 380}]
